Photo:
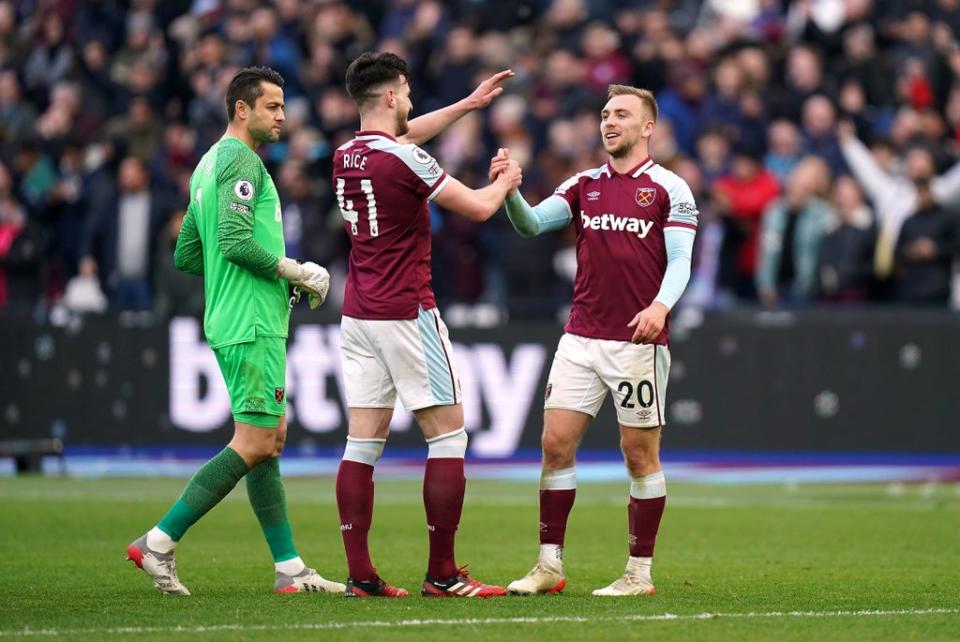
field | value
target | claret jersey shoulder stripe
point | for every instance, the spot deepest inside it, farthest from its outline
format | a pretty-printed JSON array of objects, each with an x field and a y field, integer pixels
[{"x": 621, "y": 252}]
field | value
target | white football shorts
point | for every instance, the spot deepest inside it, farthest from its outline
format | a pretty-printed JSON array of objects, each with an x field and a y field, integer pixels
[
  {"x": 584, "y": 370},
  {"x": 409, "y": 357}
]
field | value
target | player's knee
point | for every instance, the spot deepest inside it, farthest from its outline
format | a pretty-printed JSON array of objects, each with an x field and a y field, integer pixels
[
  {"x": 639, "y": 460},
  {"x": 254, "y": 450},
  {"x": 558, "y": 451}
]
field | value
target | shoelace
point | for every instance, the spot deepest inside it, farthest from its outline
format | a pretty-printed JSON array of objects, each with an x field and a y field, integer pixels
[{"x": 464, "y": 576}]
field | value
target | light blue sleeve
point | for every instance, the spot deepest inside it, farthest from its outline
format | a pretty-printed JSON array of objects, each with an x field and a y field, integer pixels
[
  {"x": 553, "y": 213},
  {"x": 679, "y": 242}
]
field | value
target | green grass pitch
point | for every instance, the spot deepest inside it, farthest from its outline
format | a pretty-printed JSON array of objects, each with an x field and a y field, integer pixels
[{"x": 733, "y": 563}]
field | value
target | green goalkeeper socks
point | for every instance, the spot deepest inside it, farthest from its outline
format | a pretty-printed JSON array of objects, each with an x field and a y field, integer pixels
[
  {"x": 265, "y": 490},
  {"x": 206, "y": 488}
]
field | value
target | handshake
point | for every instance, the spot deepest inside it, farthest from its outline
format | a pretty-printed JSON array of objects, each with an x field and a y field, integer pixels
[
  {"x": 506, "y": 170},
  {"x": 309, "y": 277}
]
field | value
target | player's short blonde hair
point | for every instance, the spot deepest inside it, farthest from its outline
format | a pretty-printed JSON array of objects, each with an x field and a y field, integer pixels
[{"x": 643, "y": 94}]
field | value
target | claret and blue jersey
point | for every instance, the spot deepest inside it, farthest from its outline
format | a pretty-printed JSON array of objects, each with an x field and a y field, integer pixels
[
  {"x": 382, "y": 188},
  {"x": 620, "y": 221}
]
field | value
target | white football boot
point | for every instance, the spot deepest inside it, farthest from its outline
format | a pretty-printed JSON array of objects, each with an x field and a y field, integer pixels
[
  {"x": 627, "y": 585},
  {"x": 540, "y": 579},
  {"x": 306, "y": 581},
  {"x": 636, "y": 580},
  {"x": 161, "y": 567}
]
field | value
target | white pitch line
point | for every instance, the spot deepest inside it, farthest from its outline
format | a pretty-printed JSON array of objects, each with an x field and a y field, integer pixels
[{"x": 665, "y": 617}]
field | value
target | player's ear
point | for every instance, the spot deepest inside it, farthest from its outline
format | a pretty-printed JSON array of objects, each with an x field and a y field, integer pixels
[{"x": 391, "y": 97}]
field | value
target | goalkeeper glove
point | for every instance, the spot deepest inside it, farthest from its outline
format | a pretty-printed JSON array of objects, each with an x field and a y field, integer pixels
[{"x": 309, "y": 276}]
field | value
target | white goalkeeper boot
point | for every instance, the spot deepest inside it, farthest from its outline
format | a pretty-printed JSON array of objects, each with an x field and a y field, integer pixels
[
  {"x": 161, "y": 567},
  {"x": 636, "y": 580},
  {"x": 306, "y": 581},
  {"x": 546, "y": 577}
]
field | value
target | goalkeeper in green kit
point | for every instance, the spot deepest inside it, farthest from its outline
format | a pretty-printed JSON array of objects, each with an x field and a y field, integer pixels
[{"x": 232, "y": 236}]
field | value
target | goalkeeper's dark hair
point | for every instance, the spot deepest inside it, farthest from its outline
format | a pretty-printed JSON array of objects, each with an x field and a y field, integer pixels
[
  {"x": 370, "y": 71},
  {"x": 246, "y": 86}
]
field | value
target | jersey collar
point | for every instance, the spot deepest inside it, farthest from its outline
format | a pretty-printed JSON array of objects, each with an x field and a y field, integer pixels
[
  {"x": 367, "y": 135},
  {"x": 634, "y": 171}
]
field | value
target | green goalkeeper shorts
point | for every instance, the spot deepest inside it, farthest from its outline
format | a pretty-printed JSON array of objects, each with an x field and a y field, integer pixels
[{"x": 255, "y": 373}]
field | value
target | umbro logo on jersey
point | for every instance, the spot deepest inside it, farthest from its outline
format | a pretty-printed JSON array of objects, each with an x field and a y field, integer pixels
[
  {"x": 592, "y": 196},
  {"x": 646, "y": 196},
  {"x": 614, "y": 223}
]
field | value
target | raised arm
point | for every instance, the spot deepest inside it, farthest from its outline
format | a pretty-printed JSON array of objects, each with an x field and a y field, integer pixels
[
  {"x": 946, "y": 187},
  {"x": 864, "y": 166},
  {"x": 188, "y": 255},
  {"x": 425, "y": 127},
  {"x": 553, "y": 213},
  {"x": 478, "y": 205}
]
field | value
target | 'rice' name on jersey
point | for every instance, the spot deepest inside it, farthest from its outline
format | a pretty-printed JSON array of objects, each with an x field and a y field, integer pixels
[
  {"x": 382, "y": 189},
  {"x": 621, "y": 254}
]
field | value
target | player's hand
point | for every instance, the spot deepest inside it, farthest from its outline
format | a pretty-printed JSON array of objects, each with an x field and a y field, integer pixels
[
  {"x": 499, "y": 163},
  {"x": 316, "y": 281},
  {"x": 648, "y": 323},
  {"x": 488, "y": 90},
  {"x": 309, "y": 277},
  {"x": 511, "y": 176}
]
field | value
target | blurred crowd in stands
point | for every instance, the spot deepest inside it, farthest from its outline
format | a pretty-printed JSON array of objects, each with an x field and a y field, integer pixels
[{"x": 819, "y": 137}]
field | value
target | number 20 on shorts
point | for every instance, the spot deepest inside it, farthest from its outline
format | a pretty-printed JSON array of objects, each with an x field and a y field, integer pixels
[{"x": 644, "y": 392}]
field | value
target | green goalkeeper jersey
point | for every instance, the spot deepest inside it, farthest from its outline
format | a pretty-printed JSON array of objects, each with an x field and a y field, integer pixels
[{"x": 232, "y": 234}]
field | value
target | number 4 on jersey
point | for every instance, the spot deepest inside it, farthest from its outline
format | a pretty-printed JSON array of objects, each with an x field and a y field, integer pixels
[{"x": 350, "y": 215}]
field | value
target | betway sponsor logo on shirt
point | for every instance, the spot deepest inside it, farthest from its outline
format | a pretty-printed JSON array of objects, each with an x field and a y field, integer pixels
[{"x": 614, "y": 223}]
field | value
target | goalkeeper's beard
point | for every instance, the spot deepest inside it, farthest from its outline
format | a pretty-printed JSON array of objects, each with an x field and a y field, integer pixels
[{"x": 263, "y": 136}]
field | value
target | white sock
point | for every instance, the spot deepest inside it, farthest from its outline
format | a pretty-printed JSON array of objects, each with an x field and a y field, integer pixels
[
  {"x": 551, "y": 556},
  {"x": 293, "y": 566},
  {"x": 159, "y": 541},
  {"x": 639, "y": 566}
]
